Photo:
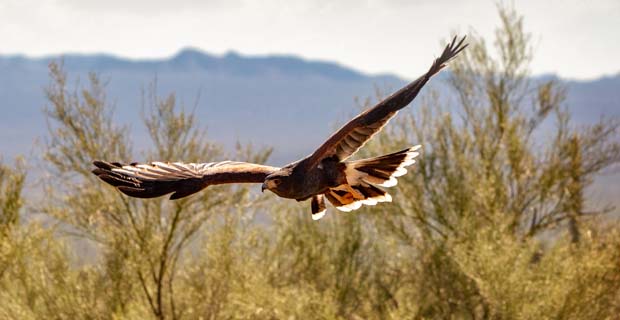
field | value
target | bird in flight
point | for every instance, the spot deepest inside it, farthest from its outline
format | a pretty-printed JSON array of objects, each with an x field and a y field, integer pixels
[{"x": 324, "y": 174}]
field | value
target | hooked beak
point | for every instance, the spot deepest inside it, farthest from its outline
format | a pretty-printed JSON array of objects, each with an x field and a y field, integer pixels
[{"x": 263, "y": 187}]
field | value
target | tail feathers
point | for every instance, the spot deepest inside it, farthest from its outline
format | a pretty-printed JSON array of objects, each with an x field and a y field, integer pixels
[
  {"x": 363, "y": 177},
  {"x": 318, "y": 207},
  {"x": 382, "y": 171},
  {"x": 348, "y": 198}
]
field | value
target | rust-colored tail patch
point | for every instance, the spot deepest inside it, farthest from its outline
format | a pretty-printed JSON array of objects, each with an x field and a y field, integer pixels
[{"x": 348, "y": 198}]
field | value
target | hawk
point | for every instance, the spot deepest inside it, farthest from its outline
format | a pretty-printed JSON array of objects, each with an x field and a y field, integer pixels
[{"x": 324, "y": 174}]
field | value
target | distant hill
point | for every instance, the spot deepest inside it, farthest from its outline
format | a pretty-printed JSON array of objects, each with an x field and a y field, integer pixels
[
  {"x": 239, "y": 98},
  {"x": 285, "y": 102}
]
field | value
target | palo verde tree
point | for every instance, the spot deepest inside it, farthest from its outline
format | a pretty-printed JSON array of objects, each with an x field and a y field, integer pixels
[
  {"x": 141, "y": 241},
  {"x": 503, "y": 173}
]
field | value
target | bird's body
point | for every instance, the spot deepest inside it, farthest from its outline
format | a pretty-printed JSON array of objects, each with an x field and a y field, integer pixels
[
  {"x": 324, "y": 174},
  {"x": 300, "y": 182}
]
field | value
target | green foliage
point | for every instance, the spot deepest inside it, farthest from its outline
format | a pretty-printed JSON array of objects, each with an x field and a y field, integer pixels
[
  {"x": 518, "y": 280},
  {"x": 11, "y": 201},
  {"x": 493, "y": 223},
  {"x": 141, "y": 241},
  {"x": 496, "y": 190}
]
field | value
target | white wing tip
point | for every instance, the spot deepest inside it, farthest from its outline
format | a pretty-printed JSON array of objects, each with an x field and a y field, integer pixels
[
  {"x": 319, "y": 215},
  {"x": 400, "y": 171},
  {"x": 369, "y": 201},
  {"x": 389, "y": 183},
  {"x": 344, "y": 209},
  {"x": 351, "y": 206}
]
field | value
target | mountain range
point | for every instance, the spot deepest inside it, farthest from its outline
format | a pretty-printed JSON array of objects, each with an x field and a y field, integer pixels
[
  {"x": 284, "y": 102},
  {"x": 238, "y": 98}
]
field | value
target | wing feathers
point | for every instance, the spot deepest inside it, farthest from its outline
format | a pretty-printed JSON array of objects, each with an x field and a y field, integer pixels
[
  {"x": 182, "y": 179},
  {"x": 353, "y": 135}
]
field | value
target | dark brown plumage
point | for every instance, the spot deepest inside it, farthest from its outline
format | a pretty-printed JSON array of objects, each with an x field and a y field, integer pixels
[{"x": 324, "y": 174}]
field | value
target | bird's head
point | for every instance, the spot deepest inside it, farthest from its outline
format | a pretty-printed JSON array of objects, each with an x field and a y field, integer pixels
[{"x": 277, "y": 182}]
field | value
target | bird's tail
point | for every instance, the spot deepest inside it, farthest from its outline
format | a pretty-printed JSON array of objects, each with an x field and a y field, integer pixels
[{"x": 364, "y": 177}]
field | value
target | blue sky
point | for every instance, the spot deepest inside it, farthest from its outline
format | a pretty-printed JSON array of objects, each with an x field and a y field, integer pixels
[{"x": 575, "y": 39}]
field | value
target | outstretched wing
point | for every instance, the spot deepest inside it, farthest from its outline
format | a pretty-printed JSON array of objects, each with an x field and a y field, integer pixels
[
  {"x": 353, "y": 135},
  {"x": 159, "y": 178}
]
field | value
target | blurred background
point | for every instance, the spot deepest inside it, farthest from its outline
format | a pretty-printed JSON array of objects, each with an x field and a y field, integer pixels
[{"x": 511, "y": 212}]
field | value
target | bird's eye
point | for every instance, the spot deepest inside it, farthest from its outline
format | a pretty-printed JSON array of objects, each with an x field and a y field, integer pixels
[{"x": 277, "y": 181}]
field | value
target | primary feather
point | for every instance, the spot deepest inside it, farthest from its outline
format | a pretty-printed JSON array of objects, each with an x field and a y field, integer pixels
[{"x": 160, "y": 178}]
